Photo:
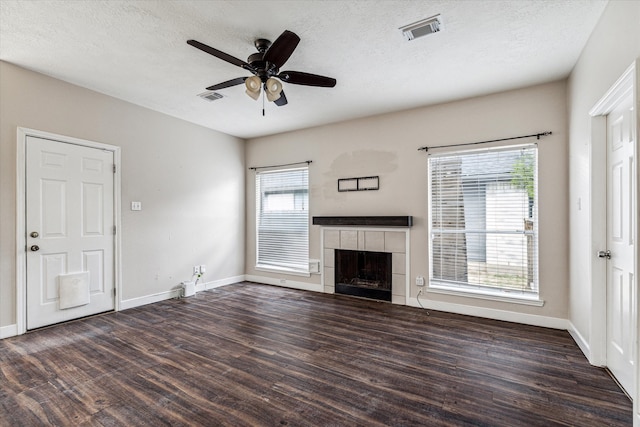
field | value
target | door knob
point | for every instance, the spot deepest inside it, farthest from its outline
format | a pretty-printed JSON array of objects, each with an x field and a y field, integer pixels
[
  {"x": 35, "y": 248},
  {"x": 34, "y": 234},
  {"x": 604, "y": 254}
]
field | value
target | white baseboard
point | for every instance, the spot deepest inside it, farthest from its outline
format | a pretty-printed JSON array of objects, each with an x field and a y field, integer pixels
[
  {"x": 218, "y": 283},
  {"x": 286, "y": 283},
  {"x": 148, "y": 299},
  {"x": 174, "y": 293},
  {"x": 491, "y": 313},
  {"x": 579, "y": 339},
  {"x": 8, "y": 331}
]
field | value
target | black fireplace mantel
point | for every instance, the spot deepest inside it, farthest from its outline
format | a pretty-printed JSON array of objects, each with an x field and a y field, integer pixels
[{"x": 369, "y": 221}]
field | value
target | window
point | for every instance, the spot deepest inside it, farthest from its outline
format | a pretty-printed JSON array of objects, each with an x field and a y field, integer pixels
[
  {"x": 483, "y": 221},
  {"x": 282, "y": 220}
]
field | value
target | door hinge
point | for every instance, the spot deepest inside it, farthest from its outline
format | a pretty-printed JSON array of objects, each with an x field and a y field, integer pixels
[
  {"x": 114, "y": 230},
  {"x": 114, "y": 292},
  {"x": 114, "y": 168}
]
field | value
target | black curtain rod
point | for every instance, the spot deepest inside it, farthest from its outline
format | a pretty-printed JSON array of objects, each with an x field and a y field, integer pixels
[
  {"x": 537, "y": 135},
  {"x": 255, "y": 168}
]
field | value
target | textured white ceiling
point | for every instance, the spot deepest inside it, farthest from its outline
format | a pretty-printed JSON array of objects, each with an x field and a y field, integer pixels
[{"x": 137, "y": 51}]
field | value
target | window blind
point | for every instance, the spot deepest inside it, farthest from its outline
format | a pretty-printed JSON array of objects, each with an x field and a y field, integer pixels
[
  {"x": 483, "y": 219},
  {"x": 282, "y": 216}
]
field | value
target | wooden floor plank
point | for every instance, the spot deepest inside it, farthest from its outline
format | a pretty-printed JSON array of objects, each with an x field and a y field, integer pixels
[{"x": 257, "y": 355}]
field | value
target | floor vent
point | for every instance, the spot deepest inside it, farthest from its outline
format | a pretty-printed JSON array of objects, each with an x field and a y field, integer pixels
[
  {"x": 210, "y": 96},
  {"x": 422, "y": 28}
]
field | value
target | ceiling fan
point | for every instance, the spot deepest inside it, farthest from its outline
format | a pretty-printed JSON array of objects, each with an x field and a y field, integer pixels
[{"x": 265, "y": 67}]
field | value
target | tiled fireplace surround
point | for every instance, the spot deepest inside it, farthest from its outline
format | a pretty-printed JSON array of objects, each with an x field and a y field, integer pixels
[{"x": 368, "y": 239}]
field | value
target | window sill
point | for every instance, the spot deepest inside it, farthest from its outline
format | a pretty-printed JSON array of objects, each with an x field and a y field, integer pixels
[
  {"x": 501, "y": 296},
  {"x": 273, "y": 269}
]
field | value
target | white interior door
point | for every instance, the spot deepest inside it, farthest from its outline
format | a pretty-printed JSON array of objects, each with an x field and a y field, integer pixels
[
  {"x": 621, "y": 208},
  {"x": 69, "y": 231}
]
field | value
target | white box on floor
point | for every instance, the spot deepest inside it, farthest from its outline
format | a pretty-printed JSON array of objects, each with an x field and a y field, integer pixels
[{"x": 188, "y": 289}]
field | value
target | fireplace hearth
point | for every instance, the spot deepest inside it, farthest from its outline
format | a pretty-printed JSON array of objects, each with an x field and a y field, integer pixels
[{"x": 364, "y": 274}]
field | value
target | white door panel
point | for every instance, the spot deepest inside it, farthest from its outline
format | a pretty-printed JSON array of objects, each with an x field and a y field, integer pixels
[
  {"x": 621, "y": 282},
  {"x": 70, "y": 205}
]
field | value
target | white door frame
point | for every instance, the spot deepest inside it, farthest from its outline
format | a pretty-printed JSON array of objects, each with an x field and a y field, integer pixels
[
  {"x": 21, "y": 240},
  {"x": 627, "y": 84}
]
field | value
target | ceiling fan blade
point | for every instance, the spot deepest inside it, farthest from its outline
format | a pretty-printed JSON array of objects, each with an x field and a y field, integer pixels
[
  {"x": 307, "y": 79},
  {"x": 221, "y": 55},
  {"x": 228, "y": 83},
  {"x": 281, "y": 101},
  {"x": 282, "y": 48}
]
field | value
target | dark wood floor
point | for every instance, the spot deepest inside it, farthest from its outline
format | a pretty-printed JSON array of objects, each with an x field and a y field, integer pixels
[{"x": 249, "y": 354}]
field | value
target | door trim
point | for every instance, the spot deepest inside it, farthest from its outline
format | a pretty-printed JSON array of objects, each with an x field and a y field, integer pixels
[
  {"x": 21, "y": 241},
  {"x": 627, "y": 84}
]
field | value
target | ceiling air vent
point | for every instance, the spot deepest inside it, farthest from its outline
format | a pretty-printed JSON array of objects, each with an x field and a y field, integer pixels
[
  {"x": 210, "y": 96},
  {"x": 422, "y": 28}
]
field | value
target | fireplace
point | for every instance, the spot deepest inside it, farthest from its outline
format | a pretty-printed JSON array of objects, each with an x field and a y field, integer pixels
[
  {"x": 363, "y": 273},
  {"x": 390, "y": 238}
]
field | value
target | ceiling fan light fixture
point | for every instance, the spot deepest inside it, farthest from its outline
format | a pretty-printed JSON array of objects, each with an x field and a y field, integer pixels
[
  {"x": 273, "y": 88},
  {"x": 253, "y": 87}
]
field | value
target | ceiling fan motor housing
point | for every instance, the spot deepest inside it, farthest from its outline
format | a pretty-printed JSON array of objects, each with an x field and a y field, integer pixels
[{"x": 263, "y": 69}]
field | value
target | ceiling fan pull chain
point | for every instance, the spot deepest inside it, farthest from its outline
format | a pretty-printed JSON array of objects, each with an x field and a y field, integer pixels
[{"x": 262, "y": 103}]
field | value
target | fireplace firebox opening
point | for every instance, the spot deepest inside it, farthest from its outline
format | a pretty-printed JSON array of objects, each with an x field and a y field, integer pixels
[{"x": 363, "y": 274}]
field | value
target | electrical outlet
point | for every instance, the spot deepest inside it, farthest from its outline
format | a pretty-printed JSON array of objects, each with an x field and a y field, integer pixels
[
  {"x": 196, "y": 269},
  {"x": 203, "y": 269},
  {"x": 314, "y": 266},
  {"x": 420, "y": 281}
]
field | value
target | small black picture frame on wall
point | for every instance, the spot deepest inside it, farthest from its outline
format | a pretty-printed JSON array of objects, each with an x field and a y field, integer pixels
[{"x": 363, "y": 183}]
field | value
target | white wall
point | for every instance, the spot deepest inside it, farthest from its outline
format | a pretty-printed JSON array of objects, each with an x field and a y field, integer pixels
[
  {"x": 613, "y": 46},
  {"x": 387, "y": 146},
  {"x": 611, "y": 49},
  {"x": 189, "y": 179}
]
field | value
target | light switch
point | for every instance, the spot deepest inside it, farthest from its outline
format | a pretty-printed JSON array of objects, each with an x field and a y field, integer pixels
[{"x": 136, "y": 206}]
